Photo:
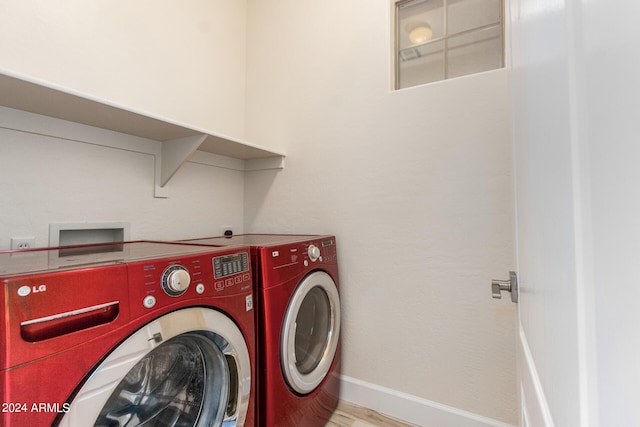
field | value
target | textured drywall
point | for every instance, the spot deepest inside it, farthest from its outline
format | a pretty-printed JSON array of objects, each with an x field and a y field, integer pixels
[
  {"x": 183, "y": 61},
  {"x": 46, "y": 180},
  {"x": 416, "y": 184}
]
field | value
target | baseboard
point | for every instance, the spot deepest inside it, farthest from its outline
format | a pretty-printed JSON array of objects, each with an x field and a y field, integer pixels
[{"x": 409, "y": 408}]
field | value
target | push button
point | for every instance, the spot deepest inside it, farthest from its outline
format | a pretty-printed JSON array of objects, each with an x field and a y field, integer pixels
[{"x": 149, "y": 301}]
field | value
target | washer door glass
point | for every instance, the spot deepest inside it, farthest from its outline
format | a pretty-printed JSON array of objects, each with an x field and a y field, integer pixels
[
  {"x": 182, "y": 382},
  {"x": 310, "y": 332}
]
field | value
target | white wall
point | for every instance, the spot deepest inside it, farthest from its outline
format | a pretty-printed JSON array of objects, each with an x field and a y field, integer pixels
[
  {"x": 416, "y": 185},
  {"x": 75, "y": 176},
  {"x": 184, "y": 61},
  {"x": 417, "y": 181}
]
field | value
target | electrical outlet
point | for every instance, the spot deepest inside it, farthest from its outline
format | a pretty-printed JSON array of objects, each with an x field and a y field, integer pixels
[
  {"x": 23, "y": 242},
  {"x": 226, "y": 230}
]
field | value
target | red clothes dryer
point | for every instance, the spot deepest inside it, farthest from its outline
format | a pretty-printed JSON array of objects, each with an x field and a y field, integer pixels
[
  {"x": 298, "y": 326},
  {"x": 127, "y": 334}
]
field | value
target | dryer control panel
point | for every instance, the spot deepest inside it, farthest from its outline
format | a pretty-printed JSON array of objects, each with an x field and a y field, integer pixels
[{"x": 321, "y": 250}]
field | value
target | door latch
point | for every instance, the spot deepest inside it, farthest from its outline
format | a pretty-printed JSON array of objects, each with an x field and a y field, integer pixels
[
  {"x": 156, "y": 338},
  {"x": 511, "y": 285}
]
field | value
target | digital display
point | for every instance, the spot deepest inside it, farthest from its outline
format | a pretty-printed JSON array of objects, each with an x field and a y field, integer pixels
[
  {"x": 326, "y": 243},
  {"x": 231, "y": 264}
]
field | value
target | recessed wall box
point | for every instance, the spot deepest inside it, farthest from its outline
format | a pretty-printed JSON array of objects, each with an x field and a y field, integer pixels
[{"x": 85, "y": 233}]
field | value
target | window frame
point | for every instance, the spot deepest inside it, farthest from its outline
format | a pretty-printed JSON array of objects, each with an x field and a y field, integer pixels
[{"x": 397, "y": 4}]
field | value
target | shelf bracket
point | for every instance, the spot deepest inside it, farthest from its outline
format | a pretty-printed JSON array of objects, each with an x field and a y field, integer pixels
[{"x": 173, "y": 154}]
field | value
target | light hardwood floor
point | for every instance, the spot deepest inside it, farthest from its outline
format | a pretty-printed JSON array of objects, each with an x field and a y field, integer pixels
[{"x": 349, "y": 415}]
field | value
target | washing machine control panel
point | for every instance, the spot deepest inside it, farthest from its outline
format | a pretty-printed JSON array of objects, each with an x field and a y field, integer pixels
[
  {"x": 175, "y": 280},
  {"x": 229, "y": 265},
  {"x": 156, "y": 284}
]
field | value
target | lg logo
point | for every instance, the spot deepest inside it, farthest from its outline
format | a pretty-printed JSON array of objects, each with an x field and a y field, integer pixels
[{"x": 23, "y": 291}]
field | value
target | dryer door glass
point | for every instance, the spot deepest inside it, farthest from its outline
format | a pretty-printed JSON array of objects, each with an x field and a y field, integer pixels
[
  {"x": 313, "y": 324},
  {"x": 310, "y": 332},
  {"x": 180, "y": 382}
]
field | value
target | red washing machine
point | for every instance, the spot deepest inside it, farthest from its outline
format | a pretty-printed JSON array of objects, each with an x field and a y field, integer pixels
[
  {"x": 127, "y": 334},
  {"x": 298, "y": 326}
]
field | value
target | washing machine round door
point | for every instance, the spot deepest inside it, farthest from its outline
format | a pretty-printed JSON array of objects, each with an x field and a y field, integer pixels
[
  {"x": 310, "y": 332},
  {"x": 187, "y": 368},
  {"x": 181, "y": 381}
]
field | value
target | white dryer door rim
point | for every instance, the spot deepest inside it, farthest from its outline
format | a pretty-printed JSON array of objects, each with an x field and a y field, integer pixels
[
  {"x": 214, "y": 327},
  {"x": 310, "y": 332}
]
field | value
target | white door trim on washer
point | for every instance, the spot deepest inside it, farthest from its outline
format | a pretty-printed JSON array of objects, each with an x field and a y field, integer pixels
[{"x": 222, "y": 330}]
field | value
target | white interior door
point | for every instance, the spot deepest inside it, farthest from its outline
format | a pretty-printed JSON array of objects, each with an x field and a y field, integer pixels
[
  {"x": 549, "y": 310},
  {"x": 552, "y": 203},
  {"x": 575, "y": 98},
  {"x": 547, "y": 217}
]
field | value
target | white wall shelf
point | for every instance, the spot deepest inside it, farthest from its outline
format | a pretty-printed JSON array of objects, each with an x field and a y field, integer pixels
[{"x": 179, "y": 141}]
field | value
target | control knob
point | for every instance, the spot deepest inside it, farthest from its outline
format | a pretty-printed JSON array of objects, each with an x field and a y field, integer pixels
[
  {"x": 313, "y": 252},
  {"x": 175, "y": 280}
]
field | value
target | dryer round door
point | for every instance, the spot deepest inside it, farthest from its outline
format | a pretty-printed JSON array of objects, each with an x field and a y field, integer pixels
[
  {"x": 310, "y": 332},
  {"x": 187, "y": 368}
]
